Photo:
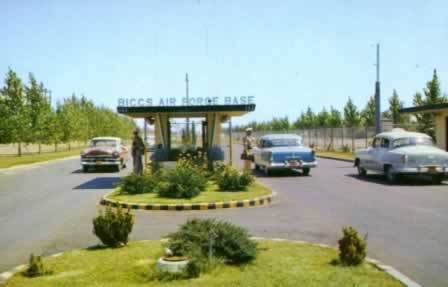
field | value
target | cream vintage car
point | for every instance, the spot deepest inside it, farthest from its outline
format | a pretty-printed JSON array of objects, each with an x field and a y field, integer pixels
[
  {"x": 104, "y": 151},
  {"x": 400, "y": 152}
]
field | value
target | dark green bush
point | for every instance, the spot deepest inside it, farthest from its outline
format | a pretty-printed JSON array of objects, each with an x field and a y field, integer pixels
[
  {"x": 193, "y": 268},
  {"x": 113, "y": 227},
  {"x": 352, "y": 248},
  {"x": 184, "y": 181},
  {"x": 227, "y": 241},
  {"x": 35, "y": 267},
  {"x": 137, "y": 184},
  {"x": 230, "y": 179}
]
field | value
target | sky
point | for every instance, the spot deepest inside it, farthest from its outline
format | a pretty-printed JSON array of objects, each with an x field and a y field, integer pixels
[{"x": 288, "y": 55}]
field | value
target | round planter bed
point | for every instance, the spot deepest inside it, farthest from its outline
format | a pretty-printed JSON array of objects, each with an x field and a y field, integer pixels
[{"x": 212, "y": 198}]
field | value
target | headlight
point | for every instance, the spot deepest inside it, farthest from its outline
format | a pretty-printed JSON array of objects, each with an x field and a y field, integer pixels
[
  {"x": 404, "y": 158},
  {"x": 115, "y": 154}
]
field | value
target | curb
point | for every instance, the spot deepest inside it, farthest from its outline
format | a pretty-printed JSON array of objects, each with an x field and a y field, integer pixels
[
  {"x": 336, "y": 158},
  {"x": 394, "y": 273},
  {"x": 385, "y": 268},
  {"x": 258, "y": 201},
  {"x": 29, "y": 165}
]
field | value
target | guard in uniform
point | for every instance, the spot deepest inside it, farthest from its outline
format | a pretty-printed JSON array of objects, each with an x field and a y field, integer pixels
[
  {"x": 138, "y": 149},
  {"x": 248, "y": 145}
]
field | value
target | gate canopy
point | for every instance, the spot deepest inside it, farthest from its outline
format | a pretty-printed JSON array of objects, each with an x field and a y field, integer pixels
[
  {"x": 160, "y": 115},
  {"x": 186, "y": 111}
]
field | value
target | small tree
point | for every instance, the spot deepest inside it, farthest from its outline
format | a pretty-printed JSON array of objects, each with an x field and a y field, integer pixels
[
  {"x": 351, "y": 114},
  {"x": 352, "y": 248},
  {"x": 395, "y": 105},
  {"x": 113, "y": 227},
  {"x": 15, "y": 119},
  {"x": 368, "y": 114},
  {"x": 433, "y": 95},
  {"x": 35, "y": 267}
]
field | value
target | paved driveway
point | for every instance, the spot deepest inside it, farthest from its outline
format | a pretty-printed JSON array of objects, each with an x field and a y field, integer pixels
[{"x": 50, "y": 208}]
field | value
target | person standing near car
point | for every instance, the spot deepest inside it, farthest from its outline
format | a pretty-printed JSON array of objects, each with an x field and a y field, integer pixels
[
  {"x": 138, "y": 149},
  {"x": 248, "y": 145}
]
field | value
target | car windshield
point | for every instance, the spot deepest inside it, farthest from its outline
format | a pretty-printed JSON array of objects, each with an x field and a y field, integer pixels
[
  {"x": 412, "y": 141},
  {"x": 103, "y": 143},
  {"x": 283, "y": 142}
]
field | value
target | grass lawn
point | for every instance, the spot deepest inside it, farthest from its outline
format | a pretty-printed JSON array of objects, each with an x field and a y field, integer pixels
[
  {"x": 336, "y": 154},
  {"x": 12, "y": 160},
  {"x": 278, "y": 264},
  {"x": 210, "y": 195}
]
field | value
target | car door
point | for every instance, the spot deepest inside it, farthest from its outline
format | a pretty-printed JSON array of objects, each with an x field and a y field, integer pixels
[
  {"x": 370, "y": 157},
  {"x": 379, "y": 153}
]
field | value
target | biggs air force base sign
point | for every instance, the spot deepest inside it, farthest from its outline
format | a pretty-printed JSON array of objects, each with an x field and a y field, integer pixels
[{"x": 192, "y": 101}]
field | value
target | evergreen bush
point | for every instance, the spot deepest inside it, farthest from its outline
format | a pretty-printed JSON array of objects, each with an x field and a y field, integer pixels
[
  {"x": 184, "y": 181},
  {"x": 230, "y": 179},
  {"x": 113, "y": 227},
  {"x": 213, "y": 239},
  {"x": 352, "y": 248}
]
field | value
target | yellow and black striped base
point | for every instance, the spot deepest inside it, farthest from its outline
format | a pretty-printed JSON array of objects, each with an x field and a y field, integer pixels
[{"x": 260, "y": 201}]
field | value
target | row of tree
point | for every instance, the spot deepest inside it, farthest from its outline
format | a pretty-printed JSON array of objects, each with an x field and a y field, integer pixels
[
  {"x": 27, "y": 116},
  {"x": 351, "y": 116}
]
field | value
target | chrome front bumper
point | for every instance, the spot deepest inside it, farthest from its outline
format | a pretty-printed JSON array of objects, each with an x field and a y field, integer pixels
[
  {"x": 101, "y": 161},
  {"x": 427, "y": 170},
  {"x": 284, "y": 165}
]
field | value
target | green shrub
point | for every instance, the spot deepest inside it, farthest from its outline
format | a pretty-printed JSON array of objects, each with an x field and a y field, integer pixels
[
  {"x": 193, "y": 268},
  {"x": 35, "y": 267},
  {"x": 113, "y": 227},
  {"x": 230, "y": 179},
  {"x": 352, "y": 248},
  {"x": 346, "y": 148},
  {"x": 184, "y": 181},
  {"x": 225, "y": 240},
  {"x": 137, "y": 184}
]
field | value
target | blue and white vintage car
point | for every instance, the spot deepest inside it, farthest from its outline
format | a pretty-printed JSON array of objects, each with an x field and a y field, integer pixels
[
  {"x": 283, "y": 151},
  {"x": 403, "y": 153}
]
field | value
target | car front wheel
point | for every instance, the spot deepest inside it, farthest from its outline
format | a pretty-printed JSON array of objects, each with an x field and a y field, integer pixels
[
  {"x": 390, "y": 175},
  {"x": 361, "y": 171},
  {"x": 85, "y": 168},
  {"x": 306, "y": 171}
]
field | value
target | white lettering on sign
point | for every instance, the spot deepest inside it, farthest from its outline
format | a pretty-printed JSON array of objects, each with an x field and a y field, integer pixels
[{"x": 192, "y": 101}]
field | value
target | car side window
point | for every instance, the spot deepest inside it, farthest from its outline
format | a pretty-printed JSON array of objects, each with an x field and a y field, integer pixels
[
  {"x": 385, "y": 143},
  {"x": 376, "y": 142}
]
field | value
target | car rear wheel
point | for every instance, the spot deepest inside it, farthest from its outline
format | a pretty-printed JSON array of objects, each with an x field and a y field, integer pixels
[
  {"x": 306, "y": 171},
  {"x": 257, "y": 167},
  {"x": 390, "y": 175},
  {"x": 267, "y": 171}
]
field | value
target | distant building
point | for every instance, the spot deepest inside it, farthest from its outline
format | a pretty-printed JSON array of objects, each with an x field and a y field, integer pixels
[{"x": 441, "y": 121}]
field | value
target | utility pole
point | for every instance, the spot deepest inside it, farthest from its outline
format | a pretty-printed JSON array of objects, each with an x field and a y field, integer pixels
[
  {"x": 377, "y": 92},
  {"x": 188, "y": 102}
]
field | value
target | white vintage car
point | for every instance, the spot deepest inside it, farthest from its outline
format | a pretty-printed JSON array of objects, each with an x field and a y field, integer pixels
[
  {"x": 403, "y": 153},
  {"x": 283, "y": 151}
]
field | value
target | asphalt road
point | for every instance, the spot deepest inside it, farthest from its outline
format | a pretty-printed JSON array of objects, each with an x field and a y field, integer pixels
[{"x": 49, "y": 208}]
